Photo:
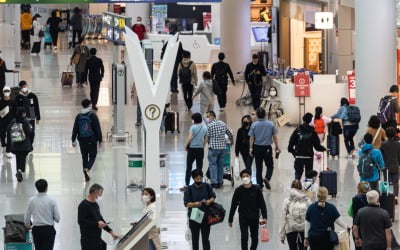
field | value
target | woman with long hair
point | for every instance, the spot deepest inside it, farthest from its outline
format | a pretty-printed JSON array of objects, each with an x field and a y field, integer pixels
[{"x": 242, "y": 145}]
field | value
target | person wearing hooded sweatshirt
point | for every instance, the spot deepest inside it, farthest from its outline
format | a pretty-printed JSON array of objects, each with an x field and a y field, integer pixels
[
  {"x": 301, "y": 144},
  {"x": 292, "y": 224},
  {"x": 187, "y": 73},
  {"x": 205, "y": 90},
  {"x": 251, "y": 203},
  {"x": 377, "y": 159},
  {"x": 88, "y": 131},
  {"x": 18, "y": 137},
  {"x": 8, "y": 110},
  {"x": 29, "y": 101}
]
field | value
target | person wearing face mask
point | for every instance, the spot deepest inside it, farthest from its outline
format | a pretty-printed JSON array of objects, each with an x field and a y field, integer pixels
[
  {"x": 139, "y": 29},
  {"x": 8, "y": 110},
  {"x": 251, "y": 202},
  {"x": 205, "y": 90},
  {"x": 242, "y": 145},
  {"x": 199, "y": 195},
  {"x": 37, "y": 39},
  {"x": 149, "y": 200},
  {"x": 253, "y": 76},
  {"x": 28, "y": 100},
  {"x": 3, "y": 71},
  {"x": 91, "y": 222},
  {"x": 272, "y": 105},
  {"x": 18, "y": 137},
  {"x": 194, "y": 146}
]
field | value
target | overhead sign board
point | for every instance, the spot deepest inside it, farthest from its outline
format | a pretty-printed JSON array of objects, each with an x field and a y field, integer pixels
[{"x": 99, "y": 1}]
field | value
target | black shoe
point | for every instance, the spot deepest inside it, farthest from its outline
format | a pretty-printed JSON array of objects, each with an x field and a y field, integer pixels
[
  {"x": 94, "y": 107},
  {"x": 19, "y": 176},
  {"x": 87, "y": 177},
  {"x": 267, "y": 185},
  {"x": 215, "y": 185}
]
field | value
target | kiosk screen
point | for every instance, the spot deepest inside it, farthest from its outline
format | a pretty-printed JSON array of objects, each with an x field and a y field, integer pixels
[
  {"x": 260, "y": 34},
  {"x": 133, "y": 229}
]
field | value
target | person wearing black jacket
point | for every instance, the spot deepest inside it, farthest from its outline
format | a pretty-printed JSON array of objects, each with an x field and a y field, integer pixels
[
  {"x": 242, "y": 145},
  {"x": 91, "y": 222},
  {"x": 179, "y": 57},
  {"x": 3, "y": 71},
  {"x": 18, "y": 136},
  {"x": 77, "y": 25},
  {"x": 28, "y": 100},
  {"x": 95, "y": 68},
  {"x": 88, "y": 131},
  {"x": 54, "y": 23},
  {"x": 301, "y": 144},
  {"x": 8, "y": 110},
  {"x": 391, "y": 155},
  {"x": 253, "y": 76},
  {"x": 220, "y": 72},
  {"x": 251, "y": 202}
]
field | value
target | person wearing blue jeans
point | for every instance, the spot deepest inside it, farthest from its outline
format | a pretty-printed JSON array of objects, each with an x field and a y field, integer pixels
[{"x": 216, "y": 150}]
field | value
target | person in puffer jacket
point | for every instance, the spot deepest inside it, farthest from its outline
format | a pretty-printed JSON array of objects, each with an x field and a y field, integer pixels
[{"x": 293, "y": 217}]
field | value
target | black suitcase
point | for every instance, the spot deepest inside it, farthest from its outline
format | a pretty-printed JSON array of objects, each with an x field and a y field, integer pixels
[
  {"x": 387, "y": 203},
  {"x": 328, "y": 179},
  {"x": 172, "y": 122},
  {"x": 333, "y": 145}
]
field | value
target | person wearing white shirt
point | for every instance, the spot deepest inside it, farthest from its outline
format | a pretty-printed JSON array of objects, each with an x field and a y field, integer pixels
[
  {"x": 44, "y": 212},
  {"x": 149, "y": 199}
]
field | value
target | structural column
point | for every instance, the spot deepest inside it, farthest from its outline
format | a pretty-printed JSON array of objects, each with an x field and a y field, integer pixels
[
  {"x": 235, "y": 33},
  {"x": 375, "y": 47}
]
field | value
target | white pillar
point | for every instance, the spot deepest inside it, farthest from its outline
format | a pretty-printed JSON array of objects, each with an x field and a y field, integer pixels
[
  {"x": 235, "y": 33},
  {"x": 134, "y": 10},
  {"x": 375, "y": 53},
  {"x": 215, "y": 20},
  {"x": 17, "y": 35}
]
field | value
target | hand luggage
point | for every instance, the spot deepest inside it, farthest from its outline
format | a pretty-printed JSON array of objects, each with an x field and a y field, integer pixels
[
  {"x": 387, "y": 201},
  {"x": 328, "y": 179},
  {"x": 67, "y": 77},
  {"x": 172, "y": 122},
  {"x": 334, "y": 130}
]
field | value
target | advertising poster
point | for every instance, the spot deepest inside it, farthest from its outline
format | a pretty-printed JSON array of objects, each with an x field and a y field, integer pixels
[
  {"x": 351, "y": 86},
  {"x": 301, "y": 85},
  {"x": 159, "y": 13},
  {"x": 207, "y": 21}
]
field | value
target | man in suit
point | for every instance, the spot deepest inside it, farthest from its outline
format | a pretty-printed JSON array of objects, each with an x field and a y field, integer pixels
[{"x": 95, "y": 68}]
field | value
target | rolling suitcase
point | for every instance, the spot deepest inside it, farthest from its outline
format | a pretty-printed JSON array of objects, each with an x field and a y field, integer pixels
[
  {"x": 172, "y": 122},
  {"x": 387, "y": 201},
  {"x": 334, "y": 130},
  {"x": 328, "y": 179},
  {"x": 67, "y": 77}
]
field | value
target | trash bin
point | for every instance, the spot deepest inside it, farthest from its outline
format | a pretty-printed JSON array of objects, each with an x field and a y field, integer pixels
[{"x": 136, "y": 173}]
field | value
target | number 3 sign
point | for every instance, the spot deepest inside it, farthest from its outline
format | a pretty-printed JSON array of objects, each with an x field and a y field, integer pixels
[{"x": 351, "y": 86}]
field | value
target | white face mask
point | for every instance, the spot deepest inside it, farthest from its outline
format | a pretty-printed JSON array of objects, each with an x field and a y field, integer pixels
[
  {"x": 246, "y": 180},
  {"x": 145, "y": 198},
  {"x": 38, "y": 19},
  {"x": 24, "y": 90},
  {"x": 6, "y": 94},
  {"x": 139, "y": 22},
  {"x": 99, "y": 198},
  {"x": 272, "y": 93}
]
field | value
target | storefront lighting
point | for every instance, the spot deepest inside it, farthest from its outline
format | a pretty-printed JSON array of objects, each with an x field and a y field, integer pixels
[{"x": 324, "y": 20}]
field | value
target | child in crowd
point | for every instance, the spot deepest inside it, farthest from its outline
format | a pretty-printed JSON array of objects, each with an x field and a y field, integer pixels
[
  {"x": 310, "y": 185},
  {"x": 319, "y": 123}
]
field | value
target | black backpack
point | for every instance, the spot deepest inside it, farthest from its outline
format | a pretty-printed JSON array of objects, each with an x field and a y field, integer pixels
[
  {"x": 185, "y": 74},
  {"x": 366, "y": 165},
  {"x": 353, "y": 114},
  {"x": 304, "y": 139}
]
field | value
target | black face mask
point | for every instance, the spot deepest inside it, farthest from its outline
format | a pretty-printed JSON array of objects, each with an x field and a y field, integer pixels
[
  {"x": 198, "y": 183},
  {"x": 245, "y": 124}
]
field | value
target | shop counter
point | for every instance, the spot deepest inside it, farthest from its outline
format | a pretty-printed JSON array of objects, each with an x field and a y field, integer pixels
[
  {"x": 200, "y": 48},
  {"x": 322, "y": 94}
]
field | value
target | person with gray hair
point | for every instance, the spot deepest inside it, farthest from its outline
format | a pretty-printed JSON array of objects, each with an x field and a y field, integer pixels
[{"x": 372, "y": 225}]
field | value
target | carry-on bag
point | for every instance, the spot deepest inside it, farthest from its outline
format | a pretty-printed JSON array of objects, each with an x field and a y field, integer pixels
[
  {"x": 172, "y": 122},
  {"x": 387, "y": 201},
  {"x": 67, "y": 77},
  {"x": 328, "y": 179},
  {"x": 334, "y": 130}
]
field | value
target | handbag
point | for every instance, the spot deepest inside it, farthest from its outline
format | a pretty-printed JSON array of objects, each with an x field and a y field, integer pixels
[
  {"x": 41, "y": 33},
  {"x": 333, "y": 237},
  {"x": 197, "y": 215},
  {"x": 75, "y": 58},
  {"x": 236, "y": 167},
  {"x": 194, "y": 136},
  {"x": 264, "y": 234},
  {"x": 215, "y": 214},
  {"x": 282, "y": 120}
]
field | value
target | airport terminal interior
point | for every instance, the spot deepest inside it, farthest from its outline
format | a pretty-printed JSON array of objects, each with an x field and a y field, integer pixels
[{"x": 56, "y": 160}]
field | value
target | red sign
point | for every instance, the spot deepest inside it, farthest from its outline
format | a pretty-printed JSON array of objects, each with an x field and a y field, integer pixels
[
  {"x": 207, "y": 21},
  {"x": 301, "y": 85},
  {"x": 351, "y": 86}
]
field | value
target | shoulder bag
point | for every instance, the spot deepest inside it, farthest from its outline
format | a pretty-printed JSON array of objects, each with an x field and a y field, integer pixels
[{"x": 194, "y": 136}]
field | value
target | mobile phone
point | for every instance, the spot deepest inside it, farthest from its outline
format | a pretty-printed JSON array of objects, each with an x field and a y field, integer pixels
[
  {"x": 277, "y": 153},
  {"x": 108, "y": 223}
]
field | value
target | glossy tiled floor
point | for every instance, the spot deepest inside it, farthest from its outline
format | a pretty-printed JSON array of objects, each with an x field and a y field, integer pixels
[{"x": 57, "y": 161}]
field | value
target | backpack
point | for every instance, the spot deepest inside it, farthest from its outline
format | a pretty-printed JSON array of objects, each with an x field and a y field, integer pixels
[
  {"x": 17, "y": 132},
  {"x": 319, "y": 126},
  {"x": 185, "y": 74},
  {"x": 385, "y": 113},
  {"x": 85, "y": 126},
  {"x": 295, "y": 217},
  {"x": 353, "y": 114},
  {"x": 216, "y": 88},
  {"x": 303, "y": 139},
  {"x": 366, "y": 165}
]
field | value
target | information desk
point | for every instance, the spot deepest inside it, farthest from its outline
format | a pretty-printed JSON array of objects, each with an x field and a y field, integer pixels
[
  {"x": 325, "y": 95},
  {"x": 137, "y": 237}
]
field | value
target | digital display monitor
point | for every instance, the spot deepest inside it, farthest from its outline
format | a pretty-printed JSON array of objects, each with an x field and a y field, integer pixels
[
  {"x": 133, "y": 229},
  {"x": 260, "y": 34}
]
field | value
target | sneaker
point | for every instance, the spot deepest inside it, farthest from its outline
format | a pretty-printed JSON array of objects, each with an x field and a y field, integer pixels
[
  {"x": 87, "y": 177},
  {"x": 19, "y": 176},
  {"x": 266, "y": 183},
  {"x": 94, "y": 107}
]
